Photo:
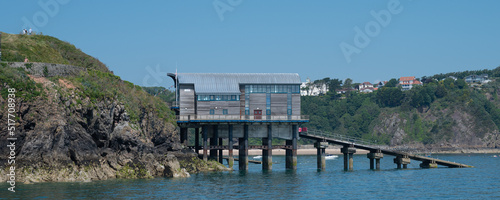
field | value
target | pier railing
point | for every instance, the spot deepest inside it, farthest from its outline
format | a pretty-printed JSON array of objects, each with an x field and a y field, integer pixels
[
  {"x": 244, "y": 117},
  {"x": 346, "y": 138}
]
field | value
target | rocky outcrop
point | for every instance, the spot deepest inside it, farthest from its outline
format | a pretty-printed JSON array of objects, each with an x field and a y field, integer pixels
[
  {"x": 459, "y": 130},
  {"x": 63, "y": 136}
]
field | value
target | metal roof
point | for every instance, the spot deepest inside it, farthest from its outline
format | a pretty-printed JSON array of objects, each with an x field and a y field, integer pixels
[{"x": 229, "y": 83}]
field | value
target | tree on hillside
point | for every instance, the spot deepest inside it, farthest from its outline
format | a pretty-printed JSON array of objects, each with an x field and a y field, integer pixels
[
  {"x": 389, "y": 96},
  {"x": 334, "y": 84},
  {"x": 392, "y": 83}
]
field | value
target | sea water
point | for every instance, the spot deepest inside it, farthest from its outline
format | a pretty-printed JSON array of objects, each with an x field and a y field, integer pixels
[{"x": 307, "y": 182}]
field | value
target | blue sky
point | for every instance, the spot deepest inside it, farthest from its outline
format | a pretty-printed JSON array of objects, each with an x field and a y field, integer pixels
[{"x": 141, "y": 41}]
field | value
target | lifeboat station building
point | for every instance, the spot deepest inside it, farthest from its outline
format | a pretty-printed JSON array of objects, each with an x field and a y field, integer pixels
[{"x": 226, "y": 106}]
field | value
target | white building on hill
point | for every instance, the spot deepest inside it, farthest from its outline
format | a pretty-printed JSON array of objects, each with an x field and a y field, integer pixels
[{"x": 308, "y": 88}]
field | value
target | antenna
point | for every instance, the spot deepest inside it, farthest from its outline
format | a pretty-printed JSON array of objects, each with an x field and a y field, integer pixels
[{"x": 176, "y": 86}]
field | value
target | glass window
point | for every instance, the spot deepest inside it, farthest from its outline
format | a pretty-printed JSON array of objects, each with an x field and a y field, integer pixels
[
  {"x": 212, "y": 111},
  {"x": 224, "y": 112}
]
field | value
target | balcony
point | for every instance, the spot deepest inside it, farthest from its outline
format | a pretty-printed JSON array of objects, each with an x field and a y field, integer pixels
[{"x": 242, "y": 118}]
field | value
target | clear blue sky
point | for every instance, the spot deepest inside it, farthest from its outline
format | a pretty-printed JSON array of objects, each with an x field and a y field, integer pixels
[{"x": 140, "y": 41}]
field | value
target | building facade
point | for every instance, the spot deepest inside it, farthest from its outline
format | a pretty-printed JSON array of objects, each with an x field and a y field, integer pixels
[
  {"x": 243, "y": 95},
  {"x": 408, "y": 82},
  {"x": 308, "y": 88},
  {"x": 226, "y": 106}
]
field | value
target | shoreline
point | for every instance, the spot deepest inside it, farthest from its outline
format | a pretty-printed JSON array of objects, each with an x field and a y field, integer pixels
[{"x": 336, "y": 151}]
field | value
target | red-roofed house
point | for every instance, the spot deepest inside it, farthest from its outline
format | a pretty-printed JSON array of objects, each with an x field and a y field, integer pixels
[{"x": 408, "y": 82}]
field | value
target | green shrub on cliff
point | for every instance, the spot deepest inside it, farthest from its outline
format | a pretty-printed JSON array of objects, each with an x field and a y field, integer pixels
[{"x": 26, "y": 88}]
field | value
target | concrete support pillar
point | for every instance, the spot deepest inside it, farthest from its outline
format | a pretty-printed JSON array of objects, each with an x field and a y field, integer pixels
[
  {"x": 375, "y": 155},
  {"x": 267, "y": 154},
  {"x": 221, "y": 155},
  {"x": 214, "y": 142},
  {"x": 348, "y": 152},
  {"x": 402, "y": 160},
  {"x": 184, "y": 136},
  {"x": 428, "y": 164},
  {"x": 204, "y": 129},
  {"x": 351, "y": 162},
  {"x": 346, "y": 161},
  {"x": 230, "y": 160},
  {"x": 320, "y": 146},
  {"x": 372, "y": 163},
  {"x": 243, "y": 151},
  {"x": 377, "y": 164},
  {"x": 291, "y": 154},
  {"x": 197, "y": 140}
]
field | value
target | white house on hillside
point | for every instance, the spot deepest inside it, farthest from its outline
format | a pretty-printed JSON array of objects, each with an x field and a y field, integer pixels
[
  {"x": 408, "y": 82},
  {"x": 308, "y": 88}
]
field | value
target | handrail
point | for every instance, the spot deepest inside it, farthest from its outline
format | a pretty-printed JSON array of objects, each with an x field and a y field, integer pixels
[
  {"x": 346, "y": 138},
  {"x": 243, "y": 117}
]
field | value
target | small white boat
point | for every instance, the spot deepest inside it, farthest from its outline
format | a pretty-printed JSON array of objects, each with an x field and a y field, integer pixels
[
  {"x": 494, "y": 156},
  {"x": 257, "y": 157},
  {"x": 330, "y": 157}
]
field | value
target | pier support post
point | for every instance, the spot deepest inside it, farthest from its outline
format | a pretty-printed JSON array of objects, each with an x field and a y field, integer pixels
[
  {"x": 375, "y": 155},
  {"x": 197, "y": 140},
  {"x": 213, "y": 142},
  {"x": 184, "y": 136},
  {"x": 221, "y": 155},
  {"x": 428, "y": 164},
  {"x": 243, "y": 149},
  {"x": 230, "y": 160},
  {"x": 320, "y": 146},
  {"x": 402, "y": 160},
  {"x": 291, "y": 154},
  {"x": 348, "y": 152},
  {"x": 267, "y": 152},
  {"x": 204, "y": 129}
]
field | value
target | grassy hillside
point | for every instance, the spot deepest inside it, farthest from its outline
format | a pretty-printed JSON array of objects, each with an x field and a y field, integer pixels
[
  {"x": 444, "y": 112},
  {"x": 46, "y": 49},
  {"x": 97, "y": 85}
]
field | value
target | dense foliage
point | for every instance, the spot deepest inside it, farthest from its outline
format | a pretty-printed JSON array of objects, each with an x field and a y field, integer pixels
[
  {"x": 356, "y": 113},
  {"x": 161, "y": 92}
]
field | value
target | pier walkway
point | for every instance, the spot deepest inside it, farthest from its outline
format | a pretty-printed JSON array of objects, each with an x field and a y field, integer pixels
[{"x": 350, "y": 145}]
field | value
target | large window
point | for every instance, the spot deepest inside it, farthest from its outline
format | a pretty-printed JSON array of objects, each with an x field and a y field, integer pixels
[
  {"x": 218, "y": 97},
  {"x": 272, "y": 89}
]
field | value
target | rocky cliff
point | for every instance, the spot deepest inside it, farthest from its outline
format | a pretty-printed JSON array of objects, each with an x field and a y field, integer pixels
[
  {"x": 76, "y": 121},
  {"x": 64, "y": 136}
]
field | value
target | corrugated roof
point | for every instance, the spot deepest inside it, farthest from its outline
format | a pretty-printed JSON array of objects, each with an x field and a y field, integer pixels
[{"x": 229, "y": 83}]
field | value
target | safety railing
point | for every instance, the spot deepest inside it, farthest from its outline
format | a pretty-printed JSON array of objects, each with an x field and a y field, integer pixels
[
  {"x": 244, "y": 117},
  {"x": 345, "y": 138}
]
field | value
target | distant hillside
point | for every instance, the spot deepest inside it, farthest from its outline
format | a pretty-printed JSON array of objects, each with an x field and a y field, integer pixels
[
  {"x": 161, "y": 92},
  {"x": 441, "y": 114}
]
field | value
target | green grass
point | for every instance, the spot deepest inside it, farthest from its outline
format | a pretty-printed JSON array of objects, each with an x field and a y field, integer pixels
[
  {"x": 17, "y": 78},
  {"x": 98, "y": 83},
  {"x": 46, "y": 49}
]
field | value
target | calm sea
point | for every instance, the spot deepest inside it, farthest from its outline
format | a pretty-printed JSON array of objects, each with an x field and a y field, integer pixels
[{"x": 481, "y": 182}]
